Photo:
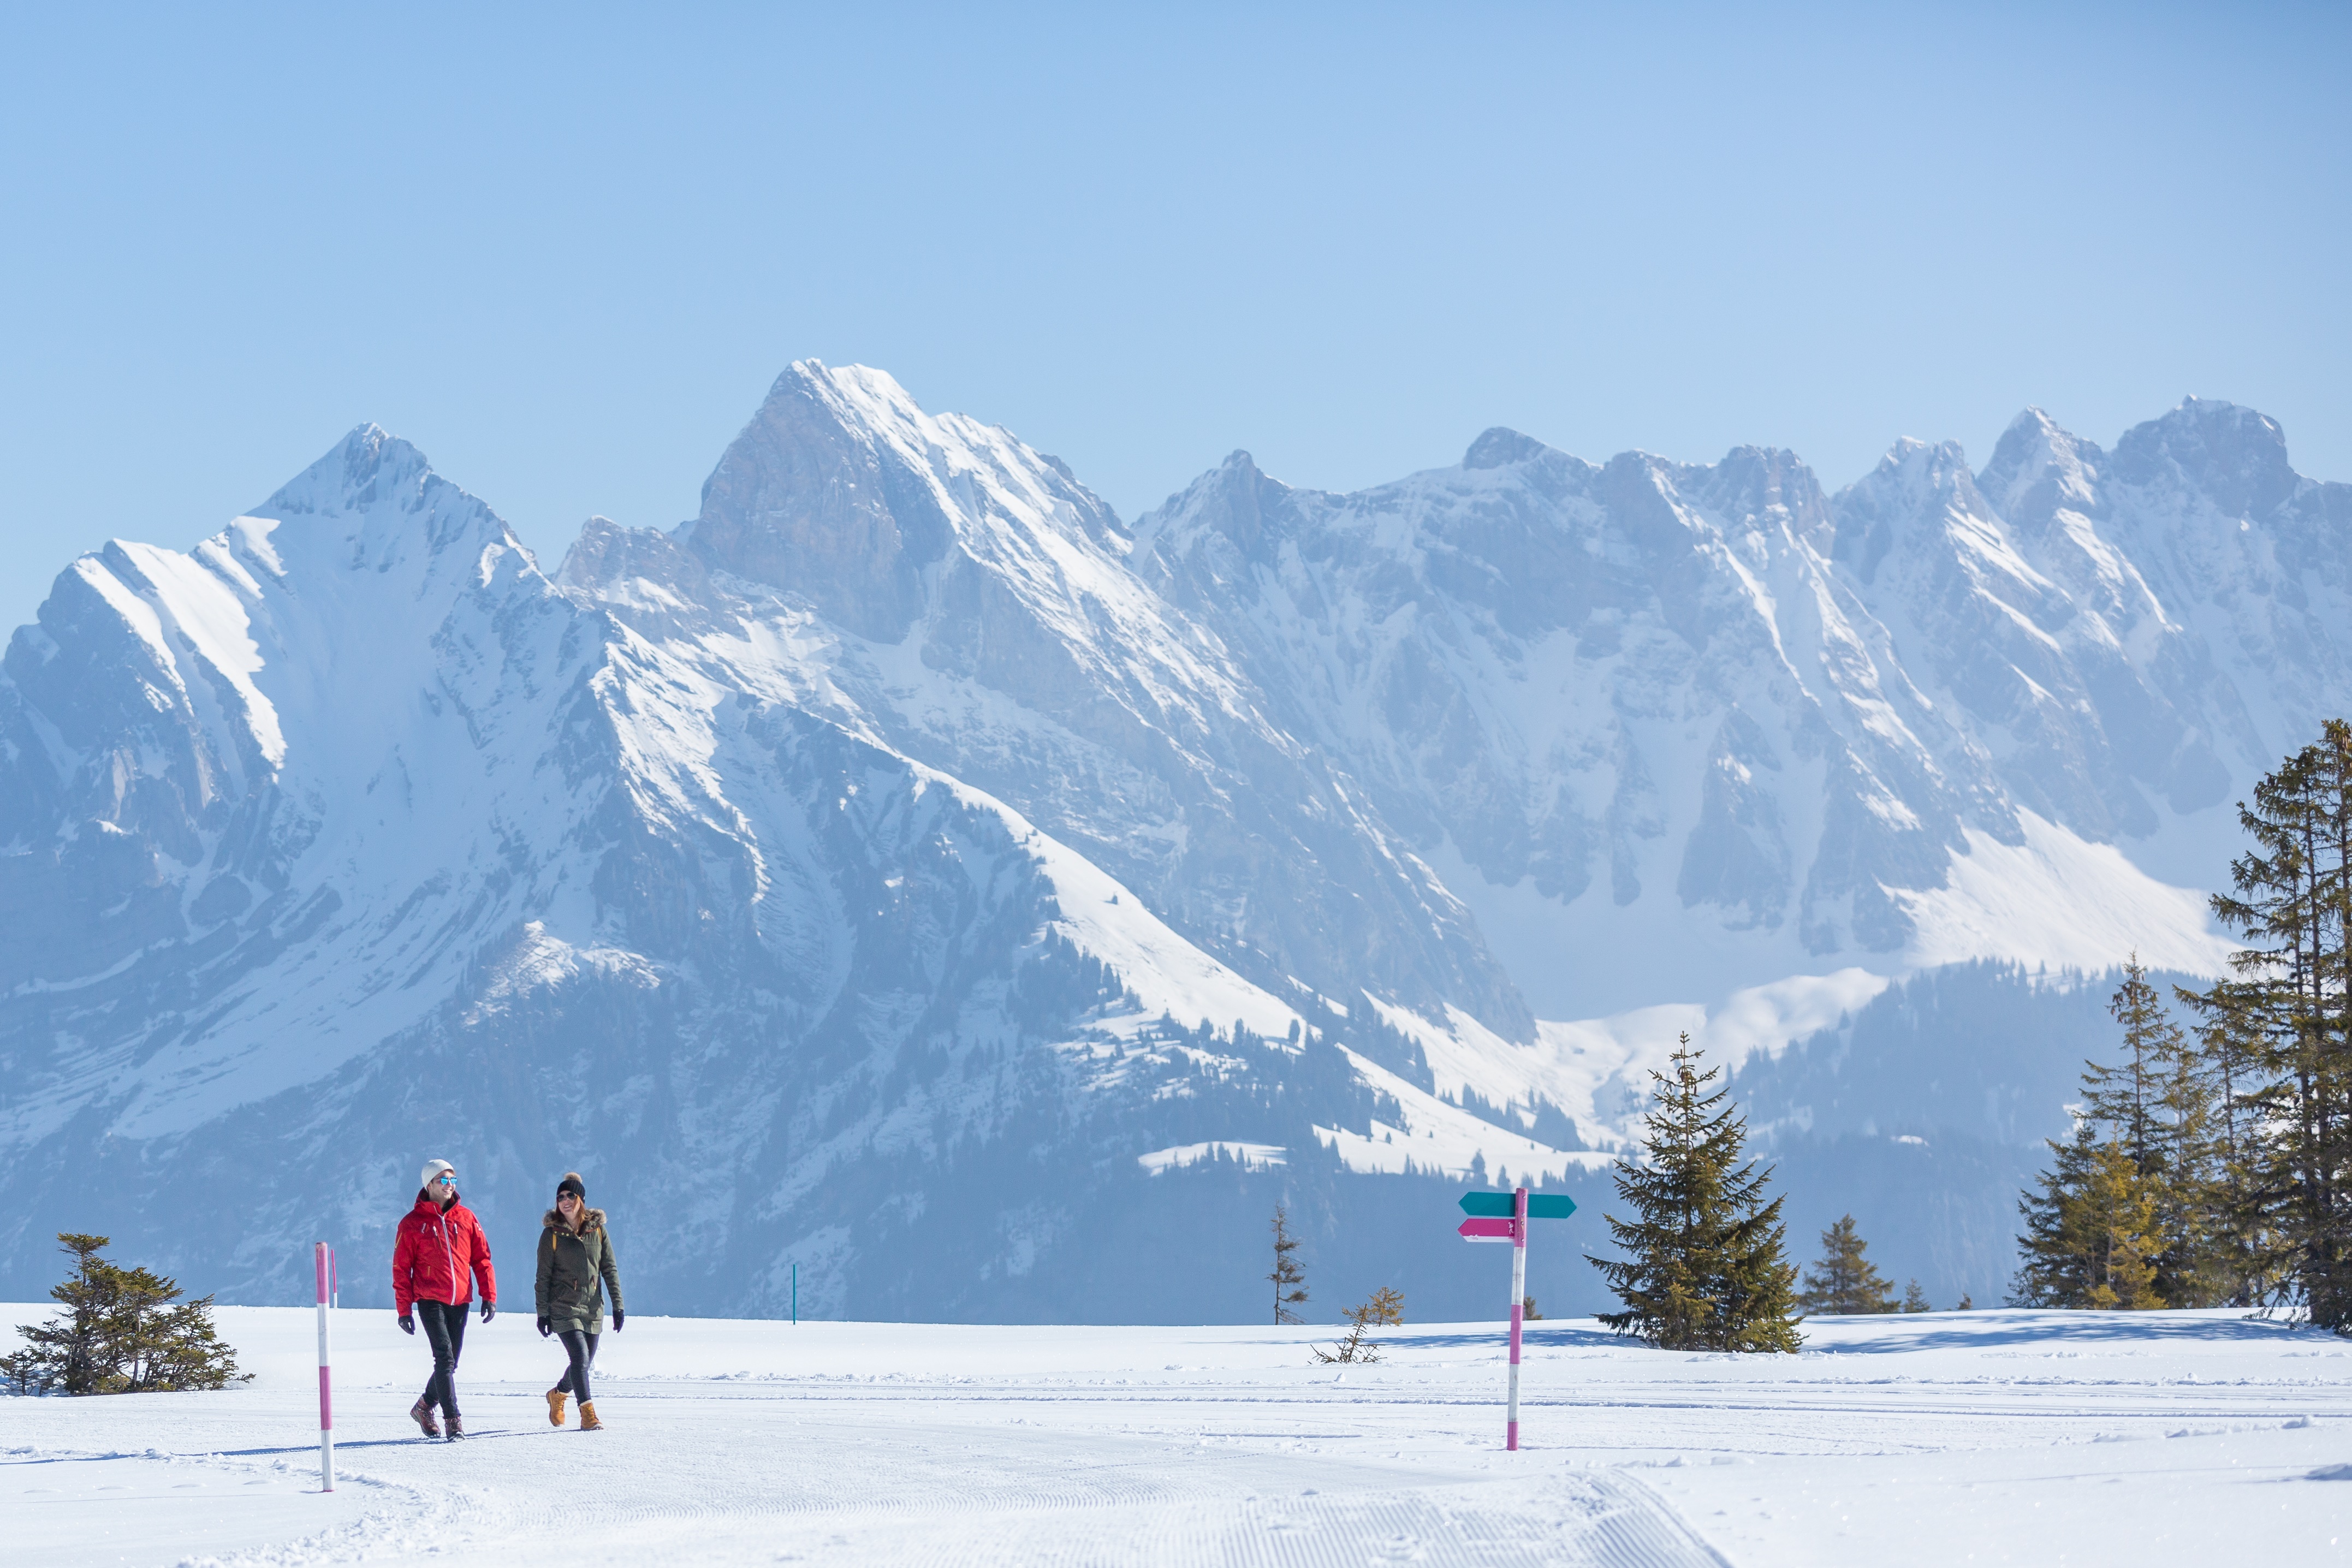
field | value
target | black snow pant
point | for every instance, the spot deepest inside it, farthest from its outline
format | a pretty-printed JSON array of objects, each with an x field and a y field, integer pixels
[
  {"x": 581, "y": 1345},
  {"x": 445, "y": 1329}
]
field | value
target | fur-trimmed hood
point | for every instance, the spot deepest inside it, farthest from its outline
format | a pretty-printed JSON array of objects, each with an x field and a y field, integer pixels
[{"x": 590, "y": 1219}]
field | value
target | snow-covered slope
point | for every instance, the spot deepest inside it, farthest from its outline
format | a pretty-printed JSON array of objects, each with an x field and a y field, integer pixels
[
  {"x": 1943, "y": 1440},
  {"x": 929, "y": 582},
  {"x": 906, "y": 869},
  {"x": 1648, "y": 720}
]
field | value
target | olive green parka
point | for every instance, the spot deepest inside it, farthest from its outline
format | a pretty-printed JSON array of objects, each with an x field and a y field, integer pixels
[{"x": 575, "y": 1269}]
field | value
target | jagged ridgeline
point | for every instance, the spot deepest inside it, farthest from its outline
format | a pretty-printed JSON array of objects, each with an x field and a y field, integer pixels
[{"x": 910, "y": 871}]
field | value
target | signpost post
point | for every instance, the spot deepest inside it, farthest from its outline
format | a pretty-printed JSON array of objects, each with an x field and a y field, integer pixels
[
  {"x": 1502, "y": 1217},
  {"x": 324, "y": 1256}
]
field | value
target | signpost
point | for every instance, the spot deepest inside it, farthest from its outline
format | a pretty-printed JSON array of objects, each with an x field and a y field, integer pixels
[
  {"x": 324, "y": 1256},
  {"x": 1502, "y": 1217}
]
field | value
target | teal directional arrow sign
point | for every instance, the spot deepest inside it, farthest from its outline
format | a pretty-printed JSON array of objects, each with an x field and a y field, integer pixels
[
  {"x": 1494, "y": 1217},
  {"x": 1540, "y": 1205}
]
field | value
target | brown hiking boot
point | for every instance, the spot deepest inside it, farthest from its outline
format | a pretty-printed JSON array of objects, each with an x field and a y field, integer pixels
[
  {"x": 421, "y": 1414},
  {"x": 556, "y": 1398},
  {"x": 588, "y": 1422},
  {"x": 456, "y": 1427}
]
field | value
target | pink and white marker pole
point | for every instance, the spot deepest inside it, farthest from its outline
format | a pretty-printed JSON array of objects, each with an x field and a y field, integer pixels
[
  {"x": 1519, "y": 1308},
  {"x": 324, "y": 1256}
]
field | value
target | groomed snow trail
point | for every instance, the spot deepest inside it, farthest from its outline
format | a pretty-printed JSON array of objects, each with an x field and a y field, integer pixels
[{"x": 1985, "y": 1437}]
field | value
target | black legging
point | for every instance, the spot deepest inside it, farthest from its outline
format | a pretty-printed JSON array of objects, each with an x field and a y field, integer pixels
[
  {"x": 445, "y": 1329},
  {"x": 581, "y": 1345}
]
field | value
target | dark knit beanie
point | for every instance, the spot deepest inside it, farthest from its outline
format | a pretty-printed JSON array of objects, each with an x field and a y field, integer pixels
[{"x": 571, "y": 1184}]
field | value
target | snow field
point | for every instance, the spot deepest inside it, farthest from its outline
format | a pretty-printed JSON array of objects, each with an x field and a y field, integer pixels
[{"x": 1985, "y": 1437}]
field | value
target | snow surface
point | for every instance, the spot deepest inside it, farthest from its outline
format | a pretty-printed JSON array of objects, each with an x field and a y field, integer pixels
[
  {"x": 1596, "y": 1069},
  {"x": 1985, "y": 1437},
  {"x": 2055, "y": 899}
]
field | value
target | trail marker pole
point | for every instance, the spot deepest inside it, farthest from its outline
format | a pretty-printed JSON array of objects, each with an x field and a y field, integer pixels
[
  {"x": 1518, "y": 1311},
  {"x": 1502, "y": 1217},
  {"x": 323, "y": 1257}
]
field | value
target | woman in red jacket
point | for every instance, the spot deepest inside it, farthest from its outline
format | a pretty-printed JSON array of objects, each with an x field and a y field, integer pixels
[{"x": 441, "y": 1250}]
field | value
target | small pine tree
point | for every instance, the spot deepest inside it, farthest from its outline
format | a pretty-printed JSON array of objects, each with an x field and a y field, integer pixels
[
  {"x": 1289, "y": 1280},
  {"x": 1845, "y": 1283},
  {"x": 123, "y": 1330},
  {"x": 1528, "y": 1313},
  {"x": 1964, "y": 1304},
  {"x": 1914, "y": 1300},
  {"x": 1384, "y": 1308},
  {"x": 1705, "y": 1269}
]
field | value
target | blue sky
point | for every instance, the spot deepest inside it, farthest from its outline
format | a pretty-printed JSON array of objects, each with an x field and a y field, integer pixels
[{"x": 564, "y": 250}]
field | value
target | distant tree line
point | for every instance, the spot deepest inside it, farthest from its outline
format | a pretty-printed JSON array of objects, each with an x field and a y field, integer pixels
[{"x": 2212, "y": 1165}]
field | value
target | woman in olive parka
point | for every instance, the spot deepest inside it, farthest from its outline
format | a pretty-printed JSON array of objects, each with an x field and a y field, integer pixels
[{"x": 575, "y": 1268}]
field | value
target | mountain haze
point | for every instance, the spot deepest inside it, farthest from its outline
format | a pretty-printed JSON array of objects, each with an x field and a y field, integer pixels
[{"x": 909, "y": 869}]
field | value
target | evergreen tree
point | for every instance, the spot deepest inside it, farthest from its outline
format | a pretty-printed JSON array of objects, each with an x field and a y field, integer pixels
[
  {"x": 122, "y": 1331},
  {"x": 2158, "y": 1104},
  {"x": 2246, "y": 1255},
  {"x": 2141, "y": 1233},
  {"x": 2089, "y": 1239},
  {"x": 2124, "y": 1096},
  {"x": 1914, "y": 1300},
  {"x": 1845, "y": 1283},
  {"x": 2291, "y": 904},
  {"x": 1289, "y": 1280},
  {"x": 1705, "y": 1268}
]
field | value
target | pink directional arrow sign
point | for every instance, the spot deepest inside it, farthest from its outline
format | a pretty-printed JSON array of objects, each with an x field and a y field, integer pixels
[{"x": 1502, "y": 1217}]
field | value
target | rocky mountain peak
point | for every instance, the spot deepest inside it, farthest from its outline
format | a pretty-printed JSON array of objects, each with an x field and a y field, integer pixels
[
  {"x": 2234, "y": 457},
  {"x": 1915, "y": 484},
  {"x": 1754, "y": 488},
  {"x": 371, "y": 503},
  {"x": 1236, "y": 502},
  {"x": 809, "y": 499},
  {"x": 2038, "y": 467},
  {"x": 367, "y": 465},
  {"x": 1501, "y": 446}
]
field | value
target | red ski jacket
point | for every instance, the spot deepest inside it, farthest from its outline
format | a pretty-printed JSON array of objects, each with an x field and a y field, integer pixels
[{"x": 435, "y": 1254}]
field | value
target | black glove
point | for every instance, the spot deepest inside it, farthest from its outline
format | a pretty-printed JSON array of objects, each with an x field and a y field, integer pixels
[
  {"x": 407, "y": 1324},
  {"x": 489, "y": 1308},
  {"x": 617, "y": 1316},
  {"x": 545, "y": 1328}
]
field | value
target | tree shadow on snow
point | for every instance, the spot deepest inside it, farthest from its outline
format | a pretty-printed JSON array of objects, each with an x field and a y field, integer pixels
[
  {"x": 1898, "y": 1333},
  {"x": 1983, "y": 1330}
]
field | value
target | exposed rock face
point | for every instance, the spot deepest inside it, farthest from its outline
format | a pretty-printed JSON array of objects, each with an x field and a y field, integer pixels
[
  {"x": 1023, "y": 655},
  {"x": 908, "y": 870}
]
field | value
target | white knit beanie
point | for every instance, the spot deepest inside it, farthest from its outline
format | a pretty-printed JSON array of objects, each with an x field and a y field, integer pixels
[{"x": 432, "y": 1169}]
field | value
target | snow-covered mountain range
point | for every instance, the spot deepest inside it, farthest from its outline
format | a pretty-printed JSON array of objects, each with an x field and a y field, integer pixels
[{"x": 910, "y": 871}]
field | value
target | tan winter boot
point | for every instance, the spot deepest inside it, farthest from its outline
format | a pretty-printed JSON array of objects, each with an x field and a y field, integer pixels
[
  {"x": 588, "y": 1422},
  {"x": 556, "y": 1398}
]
